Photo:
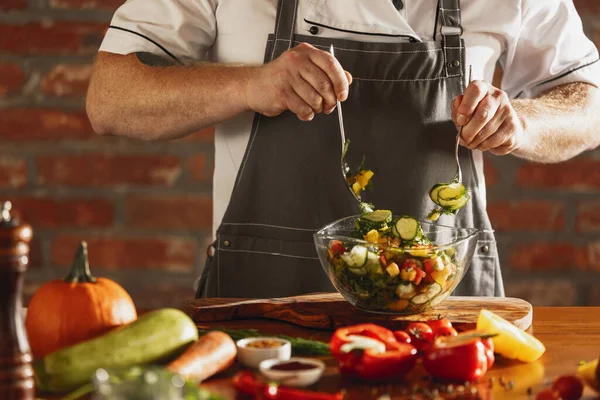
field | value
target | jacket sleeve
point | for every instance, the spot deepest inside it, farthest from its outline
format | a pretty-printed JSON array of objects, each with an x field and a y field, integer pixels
[
  {"x": 179, "y": 29},
  {"x": 551, "y": 49}
]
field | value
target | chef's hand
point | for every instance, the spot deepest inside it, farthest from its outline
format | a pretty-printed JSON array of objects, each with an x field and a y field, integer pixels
[
  {"x": 304, "y": 80},
  {"x": 488, "y": 119}
]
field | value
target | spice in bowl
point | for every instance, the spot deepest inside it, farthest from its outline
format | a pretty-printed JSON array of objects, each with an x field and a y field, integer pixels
[
  {"x": 265, "y": 343},
  {"x": 251, "y": 351}
]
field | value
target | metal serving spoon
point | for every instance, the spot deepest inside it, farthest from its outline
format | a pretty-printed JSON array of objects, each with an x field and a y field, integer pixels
[
  {"x": 458, "y": 175},
  {"x": 344, "y": 165}
]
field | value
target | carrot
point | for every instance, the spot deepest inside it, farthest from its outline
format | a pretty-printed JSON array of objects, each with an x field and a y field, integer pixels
[{"x": 211, "y": 354}]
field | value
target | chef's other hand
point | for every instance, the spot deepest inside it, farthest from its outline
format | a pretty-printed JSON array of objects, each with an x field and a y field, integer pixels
[
  {"x": 304, "y": 80},
  {"x": 488, "y": 119}
]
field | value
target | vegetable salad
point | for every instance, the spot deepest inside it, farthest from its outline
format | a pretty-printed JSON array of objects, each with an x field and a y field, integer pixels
[{"x": 396, "y": 269}]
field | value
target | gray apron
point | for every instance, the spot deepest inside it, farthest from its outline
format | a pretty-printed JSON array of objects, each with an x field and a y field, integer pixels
[{"x": 289, "y": 184}]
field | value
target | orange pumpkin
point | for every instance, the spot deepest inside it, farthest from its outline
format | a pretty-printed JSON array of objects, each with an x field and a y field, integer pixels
[{"x": 65, "y": 312}]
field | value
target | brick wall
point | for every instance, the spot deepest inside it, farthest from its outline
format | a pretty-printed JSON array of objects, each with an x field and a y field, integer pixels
[{"x": 145, "y": 208}]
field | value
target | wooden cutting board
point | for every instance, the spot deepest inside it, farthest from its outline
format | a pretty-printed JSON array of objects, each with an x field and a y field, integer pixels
[{"x": 330, "y": 311}]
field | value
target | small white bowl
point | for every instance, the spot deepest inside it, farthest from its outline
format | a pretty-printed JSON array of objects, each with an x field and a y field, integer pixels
[
  {"x": 299, "y": 378},
  {"x": 252, "y": 356}
]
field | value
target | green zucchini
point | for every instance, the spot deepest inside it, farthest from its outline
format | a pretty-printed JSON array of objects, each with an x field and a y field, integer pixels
[
  {"x": 433, "y": 193},
  {"x": 406, "y": 290},
  {"x": 451, "y": 192},
  {"x": 460, "y": 203},
  {"x": 408, "y": 228},
  {"x": 433, "y": 290},
  {"x": 356, "y": 258},
  {"x": 378, "y": 219},
  {"x": 420, "y": 299},
  {"x": 153, "y": 337}
]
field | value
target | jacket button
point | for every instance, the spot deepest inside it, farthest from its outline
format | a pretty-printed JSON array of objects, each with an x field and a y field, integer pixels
[
  {"x": 313, "y": 30},
  {"x": 399, "y": 4},
  {"x": 227, "y": 243},
  {"x": 485, "y": 249}
]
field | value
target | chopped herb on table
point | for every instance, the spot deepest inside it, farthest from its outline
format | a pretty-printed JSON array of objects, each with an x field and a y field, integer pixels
[{"x": 300, "y": 346}]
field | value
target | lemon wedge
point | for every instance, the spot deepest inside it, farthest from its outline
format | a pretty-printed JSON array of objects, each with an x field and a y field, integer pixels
[
  {"x": 590, "y": 374},
  {"x": 510, "y": 342}
]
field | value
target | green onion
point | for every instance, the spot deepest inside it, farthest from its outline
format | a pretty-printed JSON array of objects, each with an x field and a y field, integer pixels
[{"x": 300, "y": 346}]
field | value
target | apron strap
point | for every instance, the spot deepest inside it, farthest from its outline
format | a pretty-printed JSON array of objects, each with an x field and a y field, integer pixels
[
  {"x": 202, "y": 290},
  {"x": 451, "y": 30},
  {"x": 285, "y": 25}
]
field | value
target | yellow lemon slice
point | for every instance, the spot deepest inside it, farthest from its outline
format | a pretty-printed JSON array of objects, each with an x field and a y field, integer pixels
[{"x": 510, "y": 342}]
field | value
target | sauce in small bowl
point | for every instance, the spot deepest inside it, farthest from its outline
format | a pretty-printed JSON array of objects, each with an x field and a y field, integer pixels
[{"x": 296, "y": 371}]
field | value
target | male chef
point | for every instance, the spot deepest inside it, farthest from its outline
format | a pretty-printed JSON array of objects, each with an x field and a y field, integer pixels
[{"x": 262, "y": 73}]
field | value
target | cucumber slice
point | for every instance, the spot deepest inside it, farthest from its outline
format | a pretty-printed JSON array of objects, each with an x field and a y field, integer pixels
[
  {"x": 437, "y": 300},
  {"x": 420, "y": 299},
  {"x": 433, "y": 290},
  {"x": 395, "y": 232},
  {"x": 373, "y": 262},
  {"x": 451, "y": 192},
  {"x": 433, "y": 193},
  {"x": 406, "y": 290},
  {"x": 408, "y": 228},
  {"x": 461, "y": 203},
  {"x": 356, "y": 258},
  {"x": 378, "y": 216},
  {"x": 454, "y": 204},
  {"x": 377, "y": 220}
]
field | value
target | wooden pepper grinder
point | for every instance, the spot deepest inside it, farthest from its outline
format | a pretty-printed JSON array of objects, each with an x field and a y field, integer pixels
[{"x": 16, "y": 373}]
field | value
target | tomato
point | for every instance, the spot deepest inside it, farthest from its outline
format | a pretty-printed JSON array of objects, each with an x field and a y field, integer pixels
[
  {"x": 409, "y": 263},
  {"x": 444, "y": 331},
  {"x": 435, "y": 324},
  {"x": 569, "y": 387},
  {"x": 420, "y": 275},
  {"x": 383, "y": 260},
  {"x": 548, "y": 394},
  {"x": 337, "y": 247},
  {"x": 421, "y": 334},
  {"x": 402, "y": 337},
  {"x": 428, "y": 265}
]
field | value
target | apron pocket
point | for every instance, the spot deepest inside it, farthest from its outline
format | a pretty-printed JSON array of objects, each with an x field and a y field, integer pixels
[
  {"x": 250, "y": 267},
  {"x": 483, "y": 278}
]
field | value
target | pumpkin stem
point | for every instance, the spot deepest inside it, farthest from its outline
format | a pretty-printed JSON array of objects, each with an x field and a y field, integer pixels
[{"x": 80, "y": 269}]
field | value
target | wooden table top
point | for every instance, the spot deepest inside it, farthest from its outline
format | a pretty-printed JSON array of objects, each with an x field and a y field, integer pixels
[{"x": 569, "y": 334}]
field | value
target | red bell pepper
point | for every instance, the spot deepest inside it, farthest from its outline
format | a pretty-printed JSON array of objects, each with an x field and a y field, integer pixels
[
  {"x": 246, "y": 383},
  {"x": 372, "y": 353},
  {"x": 402, "y": 336},
  {"x": 458, "y": 358},
  {"x": 489, "y": 351}
]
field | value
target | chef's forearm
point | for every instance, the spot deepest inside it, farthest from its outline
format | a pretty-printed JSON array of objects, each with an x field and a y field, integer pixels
[
  {"x": 131, "y": 96},
  {"x": 559, "y": 124}
]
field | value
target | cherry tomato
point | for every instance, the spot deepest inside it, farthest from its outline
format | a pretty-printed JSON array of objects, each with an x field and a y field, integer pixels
[
  {"x": 402, "y": 337},
  {"x": 548, "y": 394},
  {"x": 337, "y": 247},
  {"x": 444, "y": 331},
  {"x": 569, "y": 387},
  {"x": 435, "y": 324},
  {"x": 421, "y": 334}
]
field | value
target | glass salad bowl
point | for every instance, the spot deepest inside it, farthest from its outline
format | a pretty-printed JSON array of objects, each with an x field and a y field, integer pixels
[{"x": 394, "y": 264}]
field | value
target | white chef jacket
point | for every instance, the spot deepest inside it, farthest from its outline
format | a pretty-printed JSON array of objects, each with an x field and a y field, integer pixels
[{"x": 539, "y": 43}]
